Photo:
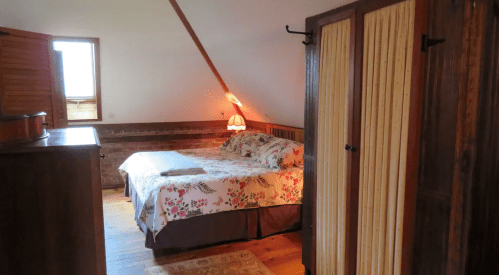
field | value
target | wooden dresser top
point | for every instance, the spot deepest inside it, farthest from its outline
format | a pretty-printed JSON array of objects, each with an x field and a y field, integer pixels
[{"x": 59, "y": 138}]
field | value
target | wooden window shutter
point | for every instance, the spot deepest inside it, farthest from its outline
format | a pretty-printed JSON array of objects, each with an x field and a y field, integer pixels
[{"x": 27, "y": 76}]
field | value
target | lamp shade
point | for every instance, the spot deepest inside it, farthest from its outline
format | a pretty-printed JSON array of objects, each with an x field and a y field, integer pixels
[{"x": 236, "y": 122}]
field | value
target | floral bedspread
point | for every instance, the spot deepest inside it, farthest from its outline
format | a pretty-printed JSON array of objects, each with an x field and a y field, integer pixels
[{"x": 231, "y": 182}]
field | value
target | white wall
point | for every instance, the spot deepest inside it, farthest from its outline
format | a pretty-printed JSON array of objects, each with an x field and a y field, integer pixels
[{"x": 151, "y": 70}]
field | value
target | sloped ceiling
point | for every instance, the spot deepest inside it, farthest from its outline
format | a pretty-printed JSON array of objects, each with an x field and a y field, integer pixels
[{"x": 152, "y": 72}]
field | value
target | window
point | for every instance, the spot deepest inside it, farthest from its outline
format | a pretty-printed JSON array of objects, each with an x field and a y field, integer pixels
[{"x": 81, "y": 77}]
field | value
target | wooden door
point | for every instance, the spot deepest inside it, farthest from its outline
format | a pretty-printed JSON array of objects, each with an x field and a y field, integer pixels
[
  {"x": 325, "y": 199},
  {"x": 335, "y": 83},
  {"x": 386, "y": 190},
  {"x": 327, "y": 224},
  {"x": 27, "y": 82}
]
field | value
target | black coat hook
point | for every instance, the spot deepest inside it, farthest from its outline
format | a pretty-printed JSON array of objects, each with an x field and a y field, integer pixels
[
  {"x": 310, "y": 35},
  {"x": 427, "y": 42}
]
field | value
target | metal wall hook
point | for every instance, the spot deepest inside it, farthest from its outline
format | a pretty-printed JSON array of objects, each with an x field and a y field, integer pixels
[
  {"x": 310, "y": 35},
  {"x": 427, "y": 42}
]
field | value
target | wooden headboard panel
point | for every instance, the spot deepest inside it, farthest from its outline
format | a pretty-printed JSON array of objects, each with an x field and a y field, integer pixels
[
  {"x": 286, "y": 132},
  {"x": 281, "y": 131}
]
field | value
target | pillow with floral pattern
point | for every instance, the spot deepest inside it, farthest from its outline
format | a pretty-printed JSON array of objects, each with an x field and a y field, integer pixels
[
  {"x": 280, "y": 153},
  {"x": 246, "y": 143}
]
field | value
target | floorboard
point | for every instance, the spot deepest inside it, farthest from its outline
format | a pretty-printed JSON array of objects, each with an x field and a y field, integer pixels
[{"x": 126, "y": 254}]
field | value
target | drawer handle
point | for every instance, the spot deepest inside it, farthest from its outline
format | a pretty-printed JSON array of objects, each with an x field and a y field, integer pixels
[{"x": 103, "y": 156}]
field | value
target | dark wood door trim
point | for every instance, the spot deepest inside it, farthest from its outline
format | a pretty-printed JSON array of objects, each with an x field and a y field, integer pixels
[
  {"x": 415, "y": 109},
  {"x": 370, "y": 6},
  {"x": 310, "y": 163},
  {"x": 352, "y": 192}
]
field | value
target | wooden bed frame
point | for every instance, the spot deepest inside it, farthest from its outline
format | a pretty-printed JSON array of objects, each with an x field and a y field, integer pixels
[
  {"x": 286, "y": 132},
  {"x": 281, "y": 131}
]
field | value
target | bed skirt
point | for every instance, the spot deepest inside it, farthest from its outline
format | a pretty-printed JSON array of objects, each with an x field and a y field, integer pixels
[{"x": 219, "y": 227}]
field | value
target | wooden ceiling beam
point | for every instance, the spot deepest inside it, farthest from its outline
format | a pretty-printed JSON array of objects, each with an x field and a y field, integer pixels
[{"x": 196, "y": 40}]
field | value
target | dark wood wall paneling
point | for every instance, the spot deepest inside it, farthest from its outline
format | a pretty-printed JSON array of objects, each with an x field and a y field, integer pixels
[
  {"x": 438, "y": 132},
  {"x": 26, "y": 72},
  {"x": 465, "y": 152},
  {"x": 160, "y": 131},
  {"x": 119, "y": 141},
  {"x": 457, "y": 208},
  {"x": 483, "y": 243}
]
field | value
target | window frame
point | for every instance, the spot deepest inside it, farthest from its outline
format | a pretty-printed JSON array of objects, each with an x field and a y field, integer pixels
[{"x": 97, "y": 99}]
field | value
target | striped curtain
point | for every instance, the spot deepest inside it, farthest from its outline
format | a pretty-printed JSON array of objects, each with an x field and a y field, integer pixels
[
  {"x": 387, "y": 63},
  {"x": 332, "y": 137}
]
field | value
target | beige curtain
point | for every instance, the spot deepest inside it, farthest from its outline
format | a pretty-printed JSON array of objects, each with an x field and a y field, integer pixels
[
  {"x": 333, "y": 132},
  {"x": 388, "y": 44}
]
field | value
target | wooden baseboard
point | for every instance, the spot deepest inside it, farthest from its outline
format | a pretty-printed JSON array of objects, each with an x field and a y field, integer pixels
[{"x": 116, "y": 186}]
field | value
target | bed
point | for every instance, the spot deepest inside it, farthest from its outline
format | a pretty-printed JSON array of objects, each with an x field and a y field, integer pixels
[{"x": 236, "y": 198}]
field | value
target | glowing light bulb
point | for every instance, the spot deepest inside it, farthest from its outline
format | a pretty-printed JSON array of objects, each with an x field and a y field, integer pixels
[{"x": 233, "y": 99}]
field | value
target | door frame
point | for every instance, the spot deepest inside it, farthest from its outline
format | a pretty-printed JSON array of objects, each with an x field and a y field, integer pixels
[{"x": 356, "y": 12}]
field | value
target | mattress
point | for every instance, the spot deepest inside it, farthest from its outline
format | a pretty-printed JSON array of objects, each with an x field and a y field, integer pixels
[{"x": 232, "y": 182}]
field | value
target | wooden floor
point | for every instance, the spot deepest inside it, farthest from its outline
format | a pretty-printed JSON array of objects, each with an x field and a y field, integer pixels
[{"x": 126, "y": 254}]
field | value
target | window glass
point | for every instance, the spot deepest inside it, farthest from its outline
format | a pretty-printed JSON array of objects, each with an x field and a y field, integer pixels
[
  {"x": 78, "y": 68},
  {"x": 79, "y": 76}
]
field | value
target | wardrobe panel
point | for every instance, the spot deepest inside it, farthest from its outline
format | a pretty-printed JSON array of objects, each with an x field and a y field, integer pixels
[
  {"x": 377, "y": 153},
  {"x": 386, "y": 94},
  {"x": 332, "y": 156}
]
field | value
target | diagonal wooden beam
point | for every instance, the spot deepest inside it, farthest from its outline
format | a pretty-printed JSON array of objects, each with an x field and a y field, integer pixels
[{"x": 195, "y": 38}]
